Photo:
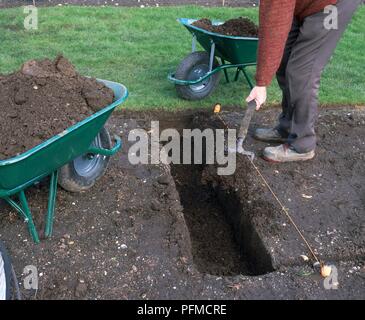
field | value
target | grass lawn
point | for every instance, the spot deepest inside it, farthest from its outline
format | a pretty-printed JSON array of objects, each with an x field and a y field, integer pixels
[{"x": 139, "y": 47}]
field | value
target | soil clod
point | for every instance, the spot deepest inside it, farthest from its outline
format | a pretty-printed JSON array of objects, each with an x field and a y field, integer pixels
[{"x": 164, "y": 179}]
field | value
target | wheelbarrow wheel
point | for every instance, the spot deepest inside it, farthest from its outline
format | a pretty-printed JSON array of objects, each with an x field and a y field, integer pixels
[
  {"x": 194, "y": 66},
  {"x": 82, "y": 173},
  {"x": 5, "y": 274}
]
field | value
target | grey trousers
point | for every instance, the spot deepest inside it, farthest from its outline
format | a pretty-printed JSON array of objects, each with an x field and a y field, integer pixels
[{"x": 308, "y": 49}]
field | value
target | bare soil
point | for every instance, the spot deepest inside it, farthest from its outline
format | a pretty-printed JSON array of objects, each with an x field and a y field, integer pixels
[
  {"x": 43, "y": 99},
  {"x": 156, "y": 231},
  {"x": 242, "y": 27}
]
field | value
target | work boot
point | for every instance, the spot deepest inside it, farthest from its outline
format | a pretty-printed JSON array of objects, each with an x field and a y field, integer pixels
[
  {"x": 269, "y": 135},
  {"x": 284, "y": 153}
]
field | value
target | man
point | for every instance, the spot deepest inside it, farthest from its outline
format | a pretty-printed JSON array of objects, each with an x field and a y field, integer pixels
[{"x": 296, "y": 42}]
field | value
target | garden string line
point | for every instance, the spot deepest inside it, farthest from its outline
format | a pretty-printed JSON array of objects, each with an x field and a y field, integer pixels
[{"x": 275, "y": 196}]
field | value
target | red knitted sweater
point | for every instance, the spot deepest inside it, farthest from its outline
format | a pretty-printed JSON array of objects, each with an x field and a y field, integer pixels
[{"x": 276, "y": 17}]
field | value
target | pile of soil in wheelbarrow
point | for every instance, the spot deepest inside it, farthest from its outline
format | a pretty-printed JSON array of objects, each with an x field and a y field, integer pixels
[
  {"x": 239, "y": 27},
  {"x": 41, "y": 100}
]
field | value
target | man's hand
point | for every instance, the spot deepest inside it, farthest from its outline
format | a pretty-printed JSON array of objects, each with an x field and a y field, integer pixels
[{"x": 259, "y": 95}]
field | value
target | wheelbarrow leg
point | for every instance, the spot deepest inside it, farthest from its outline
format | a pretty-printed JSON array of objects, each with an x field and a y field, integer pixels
[
  {"x": 29, "y": 219},
  {"x": 225, "y": 71},
  {"x": 247, "y": 78},
  {"x": 51, "y": 204},
  {"x": 237, "y": 74}
]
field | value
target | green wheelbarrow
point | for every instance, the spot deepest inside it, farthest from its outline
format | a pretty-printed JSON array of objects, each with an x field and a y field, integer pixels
[
  {"x": 198, "y": 74},
  {"x": 74, "y": 159}
]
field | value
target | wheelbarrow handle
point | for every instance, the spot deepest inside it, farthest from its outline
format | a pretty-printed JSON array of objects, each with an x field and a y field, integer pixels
[{"x": 107, "y": 152}]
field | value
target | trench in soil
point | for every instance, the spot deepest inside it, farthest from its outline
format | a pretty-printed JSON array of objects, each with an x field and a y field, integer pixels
[{"x": 224, "y": 241}]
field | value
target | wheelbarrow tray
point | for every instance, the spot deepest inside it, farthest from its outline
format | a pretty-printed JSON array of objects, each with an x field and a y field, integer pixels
[
  {"x": 236, "y": 50},
  {"x": 19, "y": 172}
]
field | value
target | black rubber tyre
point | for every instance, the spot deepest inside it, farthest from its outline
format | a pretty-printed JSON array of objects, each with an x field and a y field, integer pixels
[
  {"x": 82, "y": 173},
  {"x": 193, "y": 67},
  {"x": 5, "y": 274}
]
